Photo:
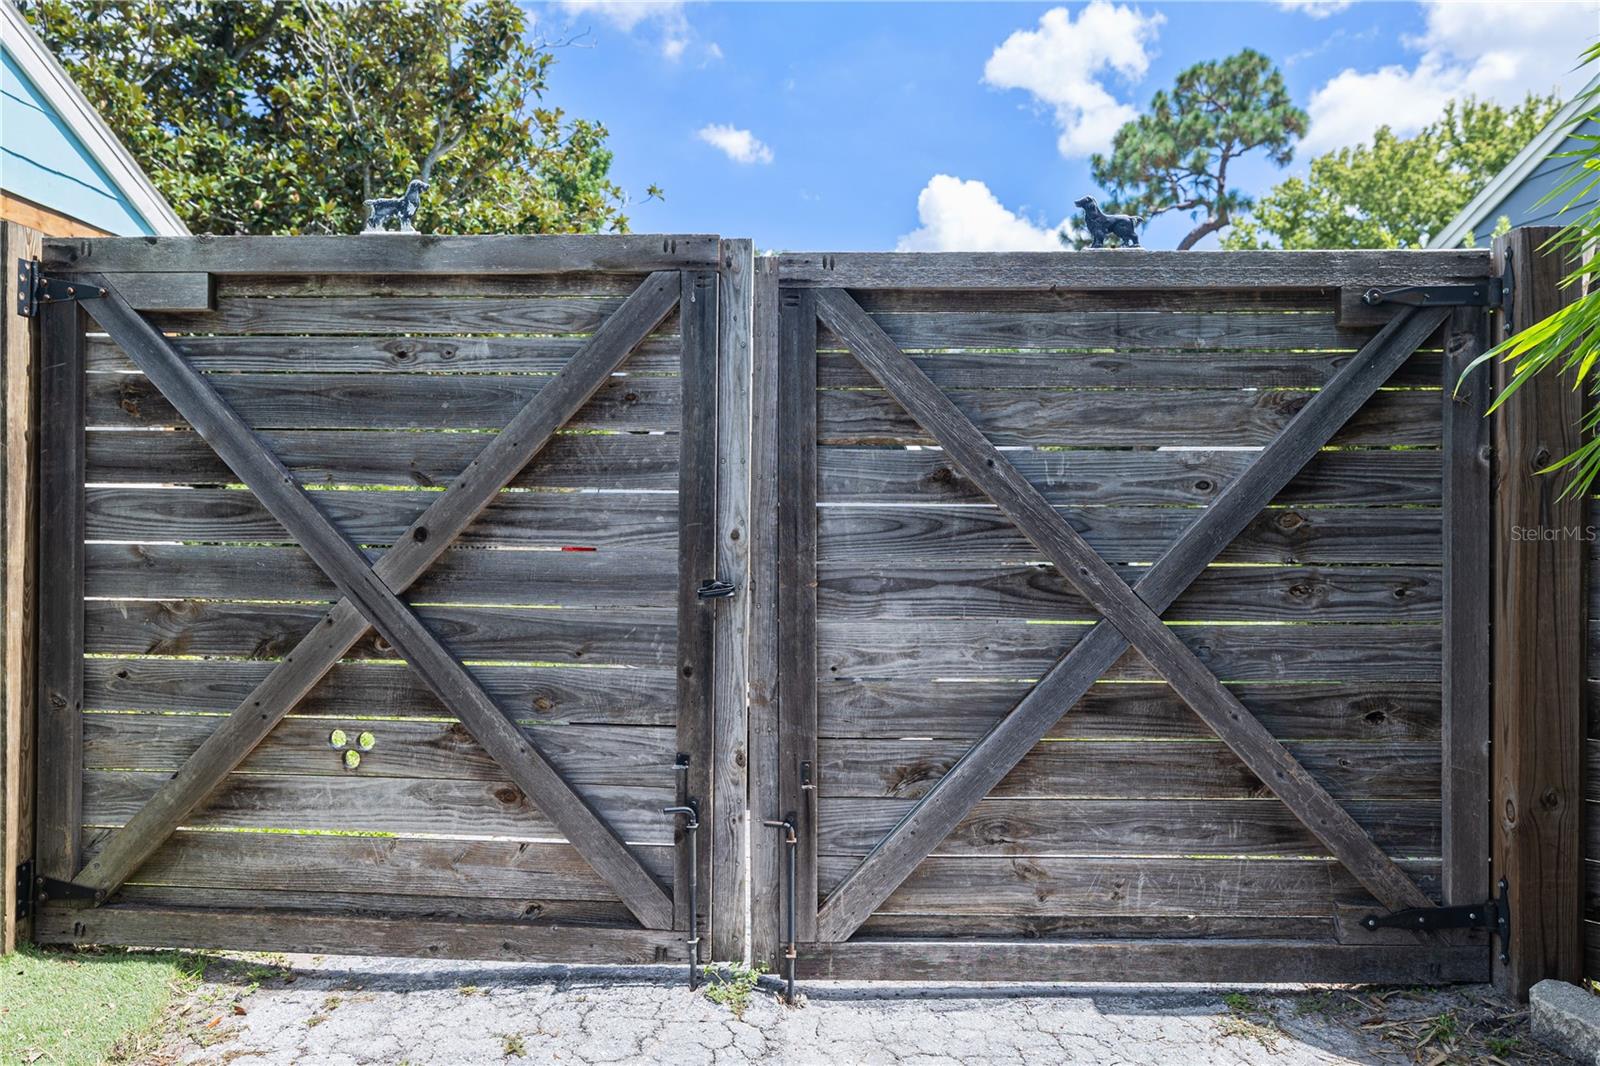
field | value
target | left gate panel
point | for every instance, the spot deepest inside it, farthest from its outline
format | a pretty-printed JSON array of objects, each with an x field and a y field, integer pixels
[{"x": 171, "y": 592}]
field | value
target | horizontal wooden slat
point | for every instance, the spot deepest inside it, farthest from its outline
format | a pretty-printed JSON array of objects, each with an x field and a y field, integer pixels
[
  {"x": 1115, "y": 330},
  {"x": 1248, "y": 593},
  {"x": 567, "y": 283},
  {"x": 348, "y": 934},
  {"x": 1084, "y": 477},
  {"x": 1208, "y": 961},
  {"x": 378, "y": 805},
  {"x": 467, "y": 575},
  {"x": 585, "y": 754},
  {"x": 366, "y": 401},
  {"x": 526, "y": 909},
  {"x": 994, "y": 649},
  {"x": 1078, "y": 885},
  {"x": 559, "y": 695},
  {"x": 389, "y": 254},
  {"x": 1059, "y": 927},
  {"x": 543, "y": 315},
  {"x": 636, "y": 637},
  {"x": 1199, "y": 418},
  {"x": 385, "y": 354},
  {"x": 644, "y": 522},
  {"x": 852, "y": 827},
  {"x": 164, "y": 292},
  {"x": 624, "y": 461},
  {"x": 1125, "y": 369},
  {"x": 1323, "y": 299},
  {"x": 1141, "y": 270},
  {"x": 905, "y": 769},
  {"x": 1372, "y": 711},
  {"x": 401, "y": 866},
  {"x": 982, "y": 535}
]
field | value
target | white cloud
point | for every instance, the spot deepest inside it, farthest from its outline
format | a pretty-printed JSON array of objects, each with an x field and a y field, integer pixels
[
  {"x": 964, "y": 216},
  {"x": 1495, "y": 51},
  {"x": 741, "y": 146},
  {"x": 1317, "y": 9},
  {"x": 1060, "y": 64},
  {"x": 666, "y": 16}
]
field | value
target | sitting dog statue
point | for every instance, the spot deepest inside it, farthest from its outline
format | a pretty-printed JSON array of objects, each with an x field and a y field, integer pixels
[
  {"x": 404, "y": 208},
  {"x": 1124, "y": 227}
]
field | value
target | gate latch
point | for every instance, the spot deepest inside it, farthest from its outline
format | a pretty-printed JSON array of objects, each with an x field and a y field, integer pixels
[
  {"x": 716, "y": 590},
  {"x": 35, "y": 288},
  {"x": 1494, "y": 915},
  {"x": 1489, "y": 292}
]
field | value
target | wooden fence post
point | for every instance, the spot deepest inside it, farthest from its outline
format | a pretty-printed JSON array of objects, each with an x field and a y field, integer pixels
[
  {"x": 17, "y": 517},
  {"x": 1539, "y": 640}
]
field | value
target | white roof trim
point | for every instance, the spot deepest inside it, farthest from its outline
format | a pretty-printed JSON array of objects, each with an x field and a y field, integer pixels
[
  {"x": 1523, "y": 164},
  {"x": 86, "y": 124}
]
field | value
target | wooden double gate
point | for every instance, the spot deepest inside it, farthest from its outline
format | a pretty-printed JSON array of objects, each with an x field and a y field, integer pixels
[{"x": 1114, "y": 616}]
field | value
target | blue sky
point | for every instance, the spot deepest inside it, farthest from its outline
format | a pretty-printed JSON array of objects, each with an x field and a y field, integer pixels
[{"x": 967, "y": 126}]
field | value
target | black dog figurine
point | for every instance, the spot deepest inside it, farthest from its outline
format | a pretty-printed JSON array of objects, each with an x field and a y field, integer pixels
[
  {"x": 1123, "y": 227},
  {"x": 404, "y": 208}
]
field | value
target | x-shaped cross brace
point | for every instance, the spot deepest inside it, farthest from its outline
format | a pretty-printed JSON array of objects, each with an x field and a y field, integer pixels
[
  {"x": 371, "y": 593},
  {"x": 1130, "y": 615}
]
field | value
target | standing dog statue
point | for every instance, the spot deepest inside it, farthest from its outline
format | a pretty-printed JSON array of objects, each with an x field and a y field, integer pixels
[
  {"x": 1124, "y": 227},
  {"x": 379, "y": 212}
]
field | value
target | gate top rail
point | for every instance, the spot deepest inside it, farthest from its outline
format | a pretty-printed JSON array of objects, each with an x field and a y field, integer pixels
[
  {"x": 395, "y": 253},
  {"x": 1131, "y": 270}
]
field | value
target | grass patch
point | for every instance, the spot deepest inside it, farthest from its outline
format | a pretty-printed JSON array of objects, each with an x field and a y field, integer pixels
[{"x": 81, "y": 1008}]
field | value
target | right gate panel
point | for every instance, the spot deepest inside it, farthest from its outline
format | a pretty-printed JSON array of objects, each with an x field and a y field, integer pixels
[{"x": 909, "y": 617}]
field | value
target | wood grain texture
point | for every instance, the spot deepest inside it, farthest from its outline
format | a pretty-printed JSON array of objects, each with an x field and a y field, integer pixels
[
  {"x": 259, "y": 929},
  {"x": 524, "y": 436},
  {"x": 1198, "y": 271},
  {"x": 441, "y": 315},
  {"x": 1180, "y": 960},
  {"x": 166, "y": 292},
  {"x": 61, "y": 623},
  {"x": 1538, "y": 646},
  {"x": 386, "y": 254},
  {"x": 1468, "y": 598},
  {"x": 878, "y": 874},
  {"x": 19, "y": 504}
]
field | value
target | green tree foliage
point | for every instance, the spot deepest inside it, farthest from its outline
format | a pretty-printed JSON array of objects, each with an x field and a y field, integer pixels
[
  {"x": 1567, "y": 343},
  {"x": 1394, "y": 192},
  {"x": 282, "y": 117},
  {"x": 1176, "y": 156}
]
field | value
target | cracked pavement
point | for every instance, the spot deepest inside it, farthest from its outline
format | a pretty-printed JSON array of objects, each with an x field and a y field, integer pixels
[{"x": 341, "y": 1011}]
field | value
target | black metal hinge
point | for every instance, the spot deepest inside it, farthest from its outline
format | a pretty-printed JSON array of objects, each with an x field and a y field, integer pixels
[
  {"x": 24, "y": 889},
  {"x": 35, "y": 288},
  {"x": 716, "y": 590},
  {"x": 1493, "y": 915},
  {"x": 1490, "y": 292},
  {"x": 54, "y": 890}
]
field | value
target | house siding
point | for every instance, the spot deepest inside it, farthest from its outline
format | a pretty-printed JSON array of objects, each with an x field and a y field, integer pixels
[
  {"x": 42, "y": 160},
  {"x": 1522, "y": 203}
]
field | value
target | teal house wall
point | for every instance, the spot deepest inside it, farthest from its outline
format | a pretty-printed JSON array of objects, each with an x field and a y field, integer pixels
[{"x": 42, "y": 160}]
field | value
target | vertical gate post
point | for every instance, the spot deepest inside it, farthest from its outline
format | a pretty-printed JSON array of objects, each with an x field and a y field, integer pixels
[
  {"x": 1538, "y": 641},
  {"x": 18, "y": 500}
]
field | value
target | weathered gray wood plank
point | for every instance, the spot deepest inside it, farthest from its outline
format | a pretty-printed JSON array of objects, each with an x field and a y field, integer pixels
[
  {"x": 1129, "y": 769},
  {"x": 61, "y": 624},
  {"x": 1146, "y": 270},
  {"x": 881, "y": 871},
  {"x": 916, "y": 592},
  {"x": 166, "y": 292},
  {"x": 921, "y": 706},
  {"x": 618, "y": 461},
  {"x": 392, "y": 254},
  {"x": 984, "y": 536},
  {"x": 400, "y": 401},
  {"x": 1261, "y": 827},
  {"x": 574, "y": 695},
  {"x": 443, "y": 315},
  {"x": 1126, "y": 478},
  {"x": 1206, "y": 961},
  {"x": 461, "y": 576},
  {"x": 1194, "y": 418}
]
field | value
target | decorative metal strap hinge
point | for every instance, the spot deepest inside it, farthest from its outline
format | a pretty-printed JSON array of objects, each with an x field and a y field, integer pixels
[
  {"x": 35, "y": 288},
  {"x": 54, "y": 890},
  {"x": 716, "y": 590},
  {"x": 1490, "y": 292},
  {"x": 1493, "y": 915}
]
